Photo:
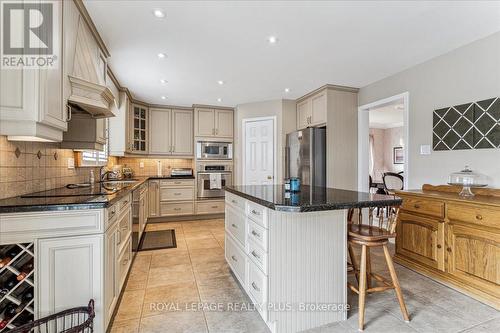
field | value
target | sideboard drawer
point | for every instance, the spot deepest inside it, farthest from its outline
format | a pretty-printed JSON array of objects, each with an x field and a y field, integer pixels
[
  {"x": 176, "y": 182},
  {"x": 257, "y": 234},
  {"x": 257, "y": 284},
  {"x": 480, "y": 215},
  {"x": 235, "y": 258},
  {"x": 257, "y": 213},
  {"x": 235, "y": 224},
  {"x": 235, "y": 201},
  {"x": 176, "y": 208},
  {"x": 423, "y": 206},
  {"x": 210, "y": 207},
  {"x": 258, "y": 256},
  {"x": 176, "y": 194}
]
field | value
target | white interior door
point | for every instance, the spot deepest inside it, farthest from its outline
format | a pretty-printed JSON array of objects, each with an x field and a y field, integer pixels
[{"x": 259, "y": 152}]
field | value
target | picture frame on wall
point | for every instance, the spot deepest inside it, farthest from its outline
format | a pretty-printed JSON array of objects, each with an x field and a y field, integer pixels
[{"x": 398, "y": 155}]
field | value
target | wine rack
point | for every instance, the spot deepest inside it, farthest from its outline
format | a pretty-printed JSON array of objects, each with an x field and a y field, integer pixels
[{"x": 16, "y": 285}]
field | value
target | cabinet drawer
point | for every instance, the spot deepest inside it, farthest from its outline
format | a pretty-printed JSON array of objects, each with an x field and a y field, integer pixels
[
  {"x": 257, "y": 213},
  {"x": 257, "y": 234},
  {"x": 235, "y": 257},
  {"x": 176, "y": 193},
  {"x": 123, "y": 264},
  {"x": 423, "y": 206},
  {"x": 125, "y": 225},
  {"x": 176, "y": 182},
  {"x": 258, "y": 256},
  {"x": 210, "y": 207},
  {"x": 235, "y": 201},
  {"x": 176, "y": 208},
  {"x": 489, "y": 217},
  {"x": 235, "y": 224},
  {"x": 112, "y": 213},
  {"x": 257, "y": 285},
  {"x": 124, "y": 203}
]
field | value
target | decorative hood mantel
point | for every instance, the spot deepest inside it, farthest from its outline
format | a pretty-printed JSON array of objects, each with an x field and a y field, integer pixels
[{"x": 93, "y": 98}]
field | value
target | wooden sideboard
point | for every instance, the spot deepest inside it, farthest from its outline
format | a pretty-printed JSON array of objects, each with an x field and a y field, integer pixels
[{"x": 453, "y": 240}]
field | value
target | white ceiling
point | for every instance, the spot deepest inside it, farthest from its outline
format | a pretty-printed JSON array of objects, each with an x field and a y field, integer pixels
[
  {"x": 339, "y": 42},
  {"x": 387, "y": 116}
]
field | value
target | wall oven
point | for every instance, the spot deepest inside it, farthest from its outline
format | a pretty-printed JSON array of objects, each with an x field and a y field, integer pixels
[
  {"x": 212, "y": 178},
  {"x": 206, "y": 150}
]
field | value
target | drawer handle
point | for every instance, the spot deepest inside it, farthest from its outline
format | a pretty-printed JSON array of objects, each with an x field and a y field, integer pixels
[
  {"x": 234, "y": 201},
  {"x": 119, "y": 238},
  {"x": 125, "y": 262},
  {"x": 177, "y": 208},
  {"x": 479, "y": 217},
  {"x": 111, "y": 213},
  {"x": 234, "y": 226},
  {"x": 416, "y": 206},
  {"x": 254, "y": 286},
  {"x": 256, "y": 234},
  {"x": 234, "y": 258},
  {"x": 215, "y": 207},
  {"x": 254, "y": 212},
  {"x": 255, "y": 255},
  {"x": 177, "y": 193},
  {"x": 177, "y": 183},
  {"x": 125, "y": 202}
]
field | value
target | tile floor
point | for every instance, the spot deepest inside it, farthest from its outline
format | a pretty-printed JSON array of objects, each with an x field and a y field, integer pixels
[{"x": 196, "y": 273}]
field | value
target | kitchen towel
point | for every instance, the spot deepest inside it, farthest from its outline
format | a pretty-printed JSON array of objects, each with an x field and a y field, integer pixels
[{"x": 215, "y": 181}]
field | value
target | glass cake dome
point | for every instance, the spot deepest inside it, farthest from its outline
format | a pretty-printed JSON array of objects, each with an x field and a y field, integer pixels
[{"x": 468, "y": 179}]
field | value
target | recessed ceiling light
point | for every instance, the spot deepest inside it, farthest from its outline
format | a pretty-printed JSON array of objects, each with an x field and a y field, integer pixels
[
  {"x": 163, "y": 81},
  {"x": 163, "y": 97},
  {"x": 272, "y": 39},
  {"x": 219, "y": 99},
  {"x": 287, "y": 90},
  {"x": 158, "y": 13},
  {"x": 161, "y": 55},
  {"x": 220, "y": 82}
]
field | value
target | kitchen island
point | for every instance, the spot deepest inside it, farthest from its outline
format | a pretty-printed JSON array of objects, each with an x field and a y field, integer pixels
[{"x": 288, "y": 250}]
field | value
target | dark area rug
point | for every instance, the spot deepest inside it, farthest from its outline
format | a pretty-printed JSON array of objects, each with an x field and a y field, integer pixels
[{"x": 155, "y": 240}]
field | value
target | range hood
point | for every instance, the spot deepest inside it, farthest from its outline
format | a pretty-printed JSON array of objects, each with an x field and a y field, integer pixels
[{"x": 95, "y": 99}]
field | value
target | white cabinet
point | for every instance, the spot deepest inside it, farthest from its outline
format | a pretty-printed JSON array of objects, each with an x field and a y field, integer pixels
[
  {"x": 138, "y": 129},
  {"x": 31, "y": 101},
  {"x": 70, "y": 273},
  {"x": 111, "y": 292},
  {"x": 171, "y": 132},
  {"x": 312, "y": 110},
  {"x": 213, "y": 123},
  {"x": 154, "y": 198}
]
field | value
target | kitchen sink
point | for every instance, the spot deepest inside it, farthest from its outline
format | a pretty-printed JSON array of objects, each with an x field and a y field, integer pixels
[{"x": 119, "y": 181}]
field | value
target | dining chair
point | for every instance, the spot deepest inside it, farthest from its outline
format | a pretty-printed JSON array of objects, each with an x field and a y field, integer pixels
[{"x": 392, "y": 182}]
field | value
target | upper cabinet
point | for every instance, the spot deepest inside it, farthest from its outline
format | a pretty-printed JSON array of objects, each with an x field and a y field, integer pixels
[
  {"x": 311, "y": 111},
  {"x": 138, "y": 129},
  {"x": 171, "y": 132},
  {"x": 213, "y": 123}
]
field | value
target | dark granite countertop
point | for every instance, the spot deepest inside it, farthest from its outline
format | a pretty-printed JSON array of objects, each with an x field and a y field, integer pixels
[
  {"x": 310, "y": 198},
  {"x": 100, "y": 195}
]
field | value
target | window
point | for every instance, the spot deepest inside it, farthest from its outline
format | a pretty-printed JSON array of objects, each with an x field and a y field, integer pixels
[{"x": 95, "y": 157}]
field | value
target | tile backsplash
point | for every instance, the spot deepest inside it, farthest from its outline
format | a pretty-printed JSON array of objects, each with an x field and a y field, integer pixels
[
  {"x": 37, "y": 166},
  {"x": 150, "y": 165}
]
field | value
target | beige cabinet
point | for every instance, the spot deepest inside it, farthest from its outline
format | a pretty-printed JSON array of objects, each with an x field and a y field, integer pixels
[
  {"x": 214, "y": 123},
  {"x": 176, "y": 197},
  {"x": 138, "y": 129},
  {"x": 154, "y": 198},
  {"x": 170, "y": 132},
  {"x": 312, "y": 110}
]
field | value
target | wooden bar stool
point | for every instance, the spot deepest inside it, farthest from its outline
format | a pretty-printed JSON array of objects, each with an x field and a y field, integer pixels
[{"x": 368, "y": 236}]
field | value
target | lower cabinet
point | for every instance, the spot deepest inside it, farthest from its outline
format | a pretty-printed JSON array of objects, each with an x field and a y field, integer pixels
[
  {"x": 210, "y": 207},
  {"x": 154, "y": 198}
]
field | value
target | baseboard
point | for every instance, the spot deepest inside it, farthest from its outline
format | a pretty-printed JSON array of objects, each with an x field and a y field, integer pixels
[{"x": 185, "y": 218}]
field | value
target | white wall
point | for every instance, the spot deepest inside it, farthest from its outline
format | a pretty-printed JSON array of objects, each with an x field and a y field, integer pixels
[
  {"x": 283, "y": 110},
  {"x": 393, "y": 137},
  {"x": 467, "y": 74}
]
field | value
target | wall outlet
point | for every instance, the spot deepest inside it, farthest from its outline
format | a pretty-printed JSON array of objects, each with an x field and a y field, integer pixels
[
  {"x": 141, "y": 165},
  {"x": 425, "y": 149},
  {"x": 71, "y": 163}
]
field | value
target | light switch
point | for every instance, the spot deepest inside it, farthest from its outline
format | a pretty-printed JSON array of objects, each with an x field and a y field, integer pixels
[
  {"x": 425, "y": 149},
  {"x": 71, "y": 163},
  {"x": 141, "y": 165}
]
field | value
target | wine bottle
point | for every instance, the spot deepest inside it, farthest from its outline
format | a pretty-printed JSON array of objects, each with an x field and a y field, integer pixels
[
  {"x": 8, "y": 314},
  {"x": 26, "y": 297},
  {"x": 22, "y": 319},
  {"x": 7, "y": 286},
  {"x": 6, "y": 257},
  {"x": 25, "y": 270}
]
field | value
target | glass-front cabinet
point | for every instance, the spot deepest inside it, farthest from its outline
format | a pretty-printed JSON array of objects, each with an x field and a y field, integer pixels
[{"x": 138, "y": 130}]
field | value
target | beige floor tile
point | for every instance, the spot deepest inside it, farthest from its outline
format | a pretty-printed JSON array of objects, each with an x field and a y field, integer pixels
[
  {"x": 169, "y": 259},
  {"x": 126, "y": 326},
  {"x": 236, "y": 322},
  {"x": 141, "y": 263},
  {"x": 179, "y": 296},
  {"x": 211, "y": 269},
  {"x": 130, "y": 306},
  {"x": 222, "y": 290},
  {"x": 174, "y": 322},
  {"x": 202, "y": 243},
  {"x": 198, "y": 234},
  {"x": 206, "y": 255},
  {"x": 164, "y": 276},
  {"x": 137, "y": 281}
]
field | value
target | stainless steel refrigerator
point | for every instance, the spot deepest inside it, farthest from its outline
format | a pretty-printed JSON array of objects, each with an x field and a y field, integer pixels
[{"x": 305, "y": 156}]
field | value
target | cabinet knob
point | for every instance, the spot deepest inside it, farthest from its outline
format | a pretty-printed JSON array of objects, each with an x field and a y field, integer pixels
[
  {"x": 234, "y": 226},
  {"x": 254, "y": 286},
  {"x": 439, "y": 246},
  {"x": 416, "y": 206},
  {"x": 256, "y": 234},
  {"x": 479, "y": 217},
  {"x": 234, "y": 258},
  {"x": 448, "y": 249}
]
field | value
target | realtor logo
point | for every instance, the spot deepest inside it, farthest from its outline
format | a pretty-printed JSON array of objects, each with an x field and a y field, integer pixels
[{"x": 28, "y": 34}]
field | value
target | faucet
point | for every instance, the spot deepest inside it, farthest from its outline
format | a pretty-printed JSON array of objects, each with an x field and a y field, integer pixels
[{"x": 104, "y": 175}]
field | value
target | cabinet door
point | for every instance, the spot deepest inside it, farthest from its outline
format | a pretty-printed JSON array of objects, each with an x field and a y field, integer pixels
[
  {"x": 318, "y": 109},
  {"x": 205, "y": 122},
  {"x": 182, "y": 132},
  {"x": 139, "y": 129},
  {"x": 101, "y": 130},
  {"x": 160, "y": 131},
  {"x": 111, "y": 291},
  {"x": 420, "y": 239},
  {"x": 473, "y": 256},
  {"x": 224, "y": 123},
  {"x": 303, "y": 114},
  {"x": 154, "y": 198},
  {"x": 142, "y": 214},
  {"x": 70, "y": 274}
]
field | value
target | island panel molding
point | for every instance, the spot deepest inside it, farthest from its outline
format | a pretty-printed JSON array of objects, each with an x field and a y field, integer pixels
[{"x": 474, "y": 125}]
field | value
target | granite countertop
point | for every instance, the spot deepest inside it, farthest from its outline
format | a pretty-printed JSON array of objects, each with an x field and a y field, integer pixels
[
  {"x": 100, "y": 195},
  {"x": 310, "y": 198}
]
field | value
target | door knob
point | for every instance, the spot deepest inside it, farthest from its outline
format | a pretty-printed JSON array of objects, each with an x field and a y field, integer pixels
[{"x": 269, "y": 177}]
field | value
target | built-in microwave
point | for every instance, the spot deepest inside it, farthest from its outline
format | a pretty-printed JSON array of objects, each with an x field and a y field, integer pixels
[{"x": 206, "y": 150}]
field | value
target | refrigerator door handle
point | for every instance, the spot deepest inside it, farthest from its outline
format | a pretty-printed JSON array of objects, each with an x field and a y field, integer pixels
[{"x": 287, "y": 162}]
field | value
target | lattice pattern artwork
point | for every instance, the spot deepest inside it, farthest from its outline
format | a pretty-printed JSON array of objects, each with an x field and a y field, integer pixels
[{"x": 467, "y": 126}]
